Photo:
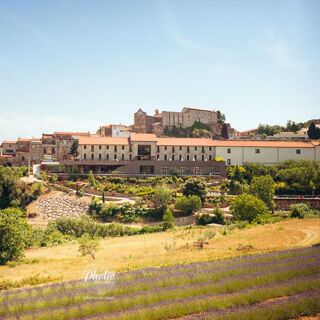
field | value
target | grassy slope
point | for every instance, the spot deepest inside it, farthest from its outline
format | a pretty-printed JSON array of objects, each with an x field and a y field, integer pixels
[
  {"x": 148, "y": 250},
  {"x": 276, "y": 286}
]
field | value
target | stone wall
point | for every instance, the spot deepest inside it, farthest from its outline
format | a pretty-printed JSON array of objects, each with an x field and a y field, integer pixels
[{"x": 285, "y": 203}]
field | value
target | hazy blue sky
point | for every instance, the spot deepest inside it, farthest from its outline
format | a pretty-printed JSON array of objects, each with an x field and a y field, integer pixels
[{"x": 74, "y": 64}]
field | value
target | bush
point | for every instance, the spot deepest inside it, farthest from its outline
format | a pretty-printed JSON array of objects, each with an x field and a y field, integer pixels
[
  {"x": 205, "y": 219},
  {"x": 168, "y": 220},
  {"x": 195, "y": 187},
  {"x": 91, "y": 179},
  {"x": 161, "y": 197},
  {"x": 299, "y": 210},
  {"x": 247, "y": 207},
  {"x": 188, "y": 204},
  {"x": 78, "y": 227},
  {"x": 263, "y": 187},
  {"x": 14, "y": 231}
]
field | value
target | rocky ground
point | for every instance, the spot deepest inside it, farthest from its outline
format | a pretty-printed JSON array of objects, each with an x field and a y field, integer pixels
[{"x": 57, "y": 204}]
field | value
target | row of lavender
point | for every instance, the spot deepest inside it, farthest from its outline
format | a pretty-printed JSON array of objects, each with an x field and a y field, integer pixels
[{"x": 163, "y": 293}]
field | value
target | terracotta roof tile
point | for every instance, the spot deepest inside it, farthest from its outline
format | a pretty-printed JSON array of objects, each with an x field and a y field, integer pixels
[
  {"x": 263, "y": 143},
  {"x": 103, "y": 140},
  {"x": 144, "y": 137},
  {"x": 185, "y": 142}
]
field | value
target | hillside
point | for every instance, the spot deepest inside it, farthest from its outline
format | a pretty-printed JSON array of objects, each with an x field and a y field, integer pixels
[{"x": 64, "y": 262}]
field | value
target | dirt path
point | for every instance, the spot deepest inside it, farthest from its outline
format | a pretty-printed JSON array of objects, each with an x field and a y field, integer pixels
[{"x": 310, "y": 236}]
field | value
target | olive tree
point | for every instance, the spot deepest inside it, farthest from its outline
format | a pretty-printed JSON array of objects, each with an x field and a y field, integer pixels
[
  {"x": 13, "y": 235},
  {"x": 248, "y": 207}
]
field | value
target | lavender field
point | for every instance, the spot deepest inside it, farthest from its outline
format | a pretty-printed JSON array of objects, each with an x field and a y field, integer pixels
[{"x": 278, "y": 285}]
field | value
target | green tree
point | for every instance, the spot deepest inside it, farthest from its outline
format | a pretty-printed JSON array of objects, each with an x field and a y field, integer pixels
[
  {"x": 195, "y": 187},
  {"x": 263, "y": 187},
  {"x": 91, "y": 179},
  {"x": 188, "y": 204},
  {"x": 313, "y": 132},
  {"x": 168, "y": 219},
  {"x": 299, "y": 210},
  {"x": 74, "y": 149},
  {"x": 247, "y": 207},
  {"x": 88, "y": 246},
  {"x": 14, "y": 231},
  {"x": 161, "y": 197}
]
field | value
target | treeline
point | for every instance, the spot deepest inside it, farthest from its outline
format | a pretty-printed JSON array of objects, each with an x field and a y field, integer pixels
[
  {"x": 291, "y": 126},
  {"x": 14, "y": 192},
  {"x": 293, "y": 177}
]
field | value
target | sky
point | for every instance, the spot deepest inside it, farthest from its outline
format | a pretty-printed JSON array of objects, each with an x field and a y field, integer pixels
[{"x": 73, "y": 65}]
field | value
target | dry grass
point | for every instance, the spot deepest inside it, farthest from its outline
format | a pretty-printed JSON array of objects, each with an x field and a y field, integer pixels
[{"x": 118, "y": 254}]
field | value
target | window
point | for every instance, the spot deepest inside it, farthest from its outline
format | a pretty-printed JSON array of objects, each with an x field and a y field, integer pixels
[
  {"x": 165, "y": 157},
  {"x": 202, "y": 150},
  {"x": 180, "y": 148},
  {"x": 298, "y": 151},
  {"x": 130, "y": 156},
  {"x": 107, "y": 147},
  {"x": 195, "y": 157},
  {"x": 210, "y": 148},
  {"x": 85, "y": 146},
  {"x": 85, "y": 156},
  {"x": 115, "y": 156},
  {"x": 99, "y": 156},
  {"x": 92, "y": 148},
  {"x": 228, "y": 162},
  {"x": 122, "y": 147},
  {"x": 180, "y": 157},
  {"x": 144, "y": 150},
  {"x": 92, "y": 157},
  {"x": 188, "y": 149},
  {"x": 165, "y": 148},
  {"x": 22, "y": 158},
  {"x": 257, "y": 151},
  {"x": 203, "y": 157},
  {"x": 195, "y": 148},
  {"x": 99, "y": 146},
  {"x": 123, "y": 157},
  {"x": 115, "y": 148},
  {"x": 188, "y": 157},
  {"x": 130, "y": 149},
  {"x": 210, "y": 157},
  {"x": 228, "y": 150},
  {"x": 158, "y": 149},
  {"x": 173, "y": 157},
  {"x": 172, "y": 149}
]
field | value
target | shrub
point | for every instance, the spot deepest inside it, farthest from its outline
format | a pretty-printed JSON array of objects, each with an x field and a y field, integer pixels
[
  {"x": 247, "y": 207},
  {"x": 168, "y": 220},
  {"x": 161, "y": 197},
  {"x": 188, "y": 204},
  {"x": 91, "y": 179},
  {"x": 13, "y": 235},
  {"x": 205, "y": 219},
  {"x": 78, "y": 227},
  {"x": 263, "y": 187},
  {"x": 299, "y": 210},
  {"x": 88, "y": 246},
  {"x": 195, "y": 187}
]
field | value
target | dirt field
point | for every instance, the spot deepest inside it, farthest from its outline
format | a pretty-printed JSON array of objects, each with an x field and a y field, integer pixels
[{"x": 167, "y": 248}]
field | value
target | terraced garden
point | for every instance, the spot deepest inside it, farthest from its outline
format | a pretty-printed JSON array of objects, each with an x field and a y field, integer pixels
[{"x": 278, "y": 285}]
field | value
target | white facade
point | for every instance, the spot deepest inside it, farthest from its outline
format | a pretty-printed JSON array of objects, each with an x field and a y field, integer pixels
[
  {"x": 118, "y": 130},
  {"x": 266, "y": 155}
]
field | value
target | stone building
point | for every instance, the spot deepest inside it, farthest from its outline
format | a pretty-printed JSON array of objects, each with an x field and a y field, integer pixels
[{"x": 143, "y": 123}]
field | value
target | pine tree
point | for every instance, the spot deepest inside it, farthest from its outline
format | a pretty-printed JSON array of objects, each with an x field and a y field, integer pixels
[
  {"x": 313, "y": 131},
  {"x": 74, "y": 149}
]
